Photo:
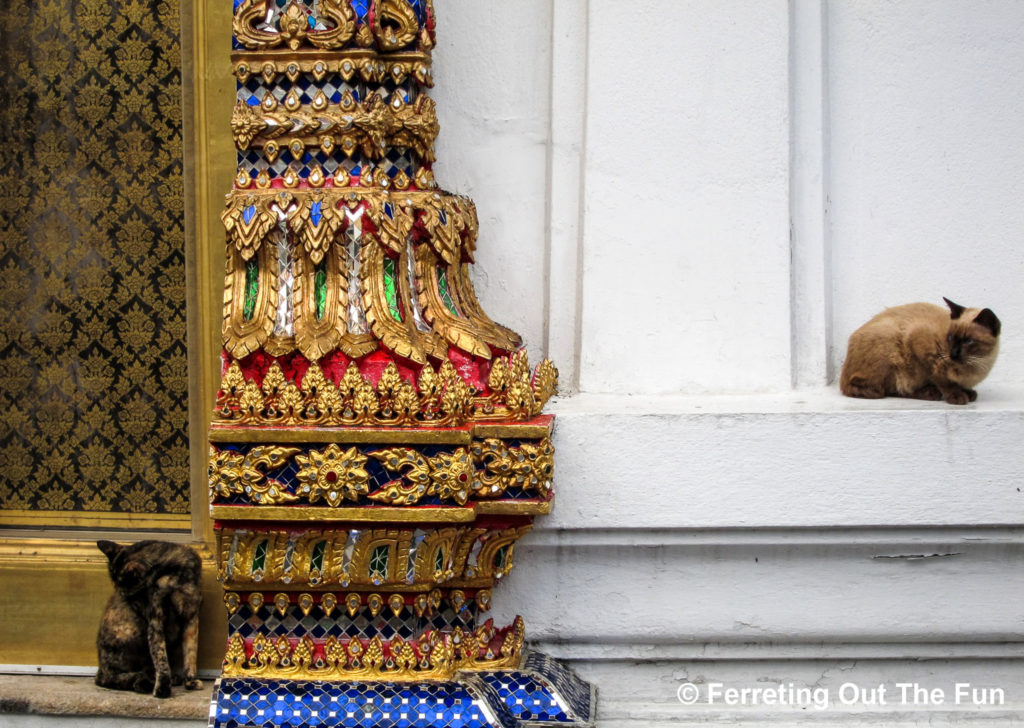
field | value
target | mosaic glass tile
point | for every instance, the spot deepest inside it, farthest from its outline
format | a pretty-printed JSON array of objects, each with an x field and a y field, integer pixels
[
  {"x": 543, "y": 690},
  {"x": 391, "y": 288},
  {"x": 252, "y": 288},
  {"x": 357, "y": 323},
  {"x": 284, "y": 324},
  {"x": 255, "y": 89},
  {"x": 526, "y": 697},
  {"x": 320, "y": 289},
  {"x": 568, "y": 685},
  {"x": 247, "y": 622},
  {"x": 446, "y": 294},
  {"x": 252, "y": 703}
]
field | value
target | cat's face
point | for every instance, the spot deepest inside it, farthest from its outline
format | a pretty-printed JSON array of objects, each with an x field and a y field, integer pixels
[
  {"x": 127, "y": 570},
  {"x": 973, "y": 336}
]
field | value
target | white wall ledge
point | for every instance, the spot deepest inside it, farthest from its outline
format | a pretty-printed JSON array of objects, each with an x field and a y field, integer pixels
[
  {"x": 805, "y": 459},
  {"x": 757, "y": 539},
  {"x": 997, "y": 398}
]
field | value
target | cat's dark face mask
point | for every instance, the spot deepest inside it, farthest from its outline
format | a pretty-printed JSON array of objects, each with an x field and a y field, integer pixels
[
  {"x": 128, "y": 573},
  {"x": 132, "y": 576}
]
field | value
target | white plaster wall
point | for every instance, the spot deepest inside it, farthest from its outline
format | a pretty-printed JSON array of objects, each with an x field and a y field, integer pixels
[
  {"x": 492, "y": 75},
  {"x": 685, "y": 271},
  {"x": 690, "y": 204},
  {"x": 927, "y": 169},
  {"x": 707, "y": 197}
]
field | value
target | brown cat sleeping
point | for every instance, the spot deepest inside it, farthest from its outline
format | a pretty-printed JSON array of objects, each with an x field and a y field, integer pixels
[{"x": 921, "y": 351}]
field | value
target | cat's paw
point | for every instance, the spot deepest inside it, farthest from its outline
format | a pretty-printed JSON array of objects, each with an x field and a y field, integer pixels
[
  {"x": 162, "y": 689},
  {"x": 928, "y": 392},
  {"x": 193, "y": 683},
  {"x": 971, "y": 394},
  {"x": 960, "y": 396},
  {"x": 142, "y": 684}
]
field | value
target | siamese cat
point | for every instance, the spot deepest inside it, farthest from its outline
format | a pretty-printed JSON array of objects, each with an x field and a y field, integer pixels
[{"x": 922, "y": 351}]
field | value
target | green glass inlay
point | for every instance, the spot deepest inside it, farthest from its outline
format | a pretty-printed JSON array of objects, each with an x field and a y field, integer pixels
[
  {"x": 439, "y": 560},
  {"x": 501, "y": 557},
  {"x": 391, "y": 288},
  {"x": 252, "y": 288},
  {"x": 316, "y": 561},
  {"x": 259, "y": 559},
  {"x": 320, "y": 289},
  {"x": 379, "y": 563},
  {"x": 446, "y": 294}
]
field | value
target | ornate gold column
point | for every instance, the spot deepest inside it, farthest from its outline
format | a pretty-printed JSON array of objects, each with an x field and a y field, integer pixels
[{"x": 378, "y": 445}]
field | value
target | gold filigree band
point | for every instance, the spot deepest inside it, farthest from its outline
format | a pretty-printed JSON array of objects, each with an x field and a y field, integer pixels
[
  {"x": 395, "y": 26},
  {"x": 370, "y": 127},
  {"x": 438, "y": 399},
  {"x": 434, "y": 656},
  {"x": 486, "y": 470},
  {"x": 455, "y": 556},
  {"x": 363, "y": 65}
]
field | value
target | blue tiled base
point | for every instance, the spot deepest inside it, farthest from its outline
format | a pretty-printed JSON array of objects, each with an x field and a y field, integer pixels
[{"x": 541, "y": 693}]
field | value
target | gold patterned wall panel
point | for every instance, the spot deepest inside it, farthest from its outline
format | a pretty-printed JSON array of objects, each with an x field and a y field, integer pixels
[{"x": 93, "y": 359}]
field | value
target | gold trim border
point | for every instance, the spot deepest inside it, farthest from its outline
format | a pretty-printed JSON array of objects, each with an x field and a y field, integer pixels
[
  {"x": 372, "y": 514},
  {"x": 99, "y": 520},
  {"x": 513, "y": 508},
  {"x": 382, "y": 514},
  {"x": 536, "y": 428},
  {"x": 526, "y": 431},
  {"x": 53, "y": 595},
  {"x": 381, "y": 435}
]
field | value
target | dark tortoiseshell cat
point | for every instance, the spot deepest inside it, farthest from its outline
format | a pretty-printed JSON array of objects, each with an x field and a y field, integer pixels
[
  {"x": 922, "y": 351},
  {"x": 148, "y": 636}
]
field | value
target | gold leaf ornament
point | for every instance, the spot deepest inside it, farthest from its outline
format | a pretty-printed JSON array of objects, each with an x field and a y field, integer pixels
[
  {"x": 395, "y": 24},
  {"x": 452, "y": 476},
  {"x": 316, "y": 223},
  {"x": 248, "y": 219},
  {"x": 235, "y": 473},
  {"x": 416, "y": 476},
  {"x": 449, "y": 476},
  {"x": 246, "y": 123},
  {"x": 332, "y": 474}
]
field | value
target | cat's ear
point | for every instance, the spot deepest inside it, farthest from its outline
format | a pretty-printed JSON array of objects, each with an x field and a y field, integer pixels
[
  {"x": 989, "y": 320},
  {"x": 955, "y": 309},
  {"x": 109, "y": 548}
]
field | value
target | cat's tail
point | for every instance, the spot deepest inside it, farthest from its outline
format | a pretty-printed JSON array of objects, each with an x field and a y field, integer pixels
[{"x": 861, "y": 387}]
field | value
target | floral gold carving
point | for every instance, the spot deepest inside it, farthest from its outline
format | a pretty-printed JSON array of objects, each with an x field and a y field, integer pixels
[
  {"x": 395, "y": 25},
  {"x": 449, "y": 476},
  {"x": 235, "y": 473},
  {"x": 440, "y": 398},
  {"x": 332, "y": 474},
  {"x": 371, "y": 127},
  {"x": 293, "y": 28},
  {"x": 434, "y": 656}
]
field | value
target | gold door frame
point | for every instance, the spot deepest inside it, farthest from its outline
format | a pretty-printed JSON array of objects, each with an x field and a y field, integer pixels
[{"x": 53, "y": 581}]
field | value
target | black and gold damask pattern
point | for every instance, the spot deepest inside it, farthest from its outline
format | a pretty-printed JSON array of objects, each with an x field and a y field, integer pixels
[{"x": 93, "y": 366}]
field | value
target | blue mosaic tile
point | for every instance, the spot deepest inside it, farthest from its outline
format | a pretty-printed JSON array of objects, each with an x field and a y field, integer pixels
[
  {"x": 527, "y": 697},
  {"x": 254, "y": 703},
  {"x": 542, "y": 690},
  {"x": 568, "y": 685}
]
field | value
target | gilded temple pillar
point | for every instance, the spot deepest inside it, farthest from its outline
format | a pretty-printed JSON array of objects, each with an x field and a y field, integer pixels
[{"x": 378, "y": 445}]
